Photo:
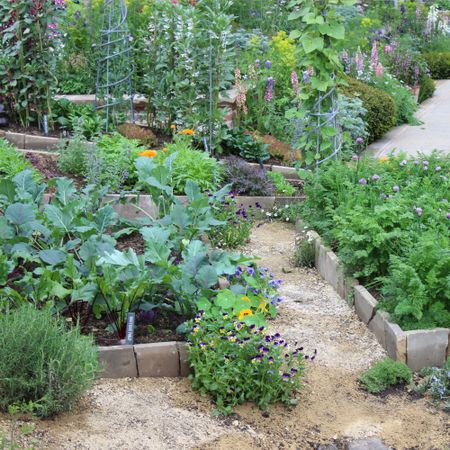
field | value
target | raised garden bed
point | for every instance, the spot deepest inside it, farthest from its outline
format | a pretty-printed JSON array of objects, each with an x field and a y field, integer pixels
[{"x": 416, "y": 348}]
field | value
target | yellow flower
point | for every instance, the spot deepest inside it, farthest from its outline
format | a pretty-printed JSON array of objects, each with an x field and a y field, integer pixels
[
  {"x": 244, "y": 313},
  {"x": 383, "y": 159},
  {"x": 173, "y": 127},
  {"x": 187, "y": 132},
  {"x": 148, "y": 153},
  {"x": 165, "y": 149}
]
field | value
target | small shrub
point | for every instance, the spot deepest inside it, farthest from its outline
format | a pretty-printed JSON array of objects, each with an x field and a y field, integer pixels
[
  {"x": 239, "y": 143},
  {"x": 11, "y": 160},
  {"x": 305, "y": 253},
  {"x": 282, "y": 186},
  {"x": 385, "y": 374},
  {"x": 427, "y": 88},
  {"x": 245, "y": 179},
  {"x": 73, "y": 157},
  {"x": 43, "y": 362},
  {"x": 439, "y": 64},
  {"x": 380, "y": 106},
  {"x": 235, "y": 362},
  {"x": 145, "y": 136}
]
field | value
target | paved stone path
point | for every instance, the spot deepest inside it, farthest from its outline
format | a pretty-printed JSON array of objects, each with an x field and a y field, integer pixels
[{"x": 433, "y": 134}]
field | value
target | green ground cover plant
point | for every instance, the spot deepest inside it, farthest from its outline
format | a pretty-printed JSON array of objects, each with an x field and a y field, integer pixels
[
  {"x": 43, "y": 362},
  {"x": 384, "y": 375},
  {"x": 389, "y": 221}
]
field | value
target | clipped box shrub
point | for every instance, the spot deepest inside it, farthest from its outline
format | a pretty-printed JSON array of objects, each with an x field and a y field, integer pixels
[
  {"x": 439, "y": 64},
  {"x": 43, "y": 362},
  {"x": 427, "y": 88},
  {"x": 381, "y": 112}
]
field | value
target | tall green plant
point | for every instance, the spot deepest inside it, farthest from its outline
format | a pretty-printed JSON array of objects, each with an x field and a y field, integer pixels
[
  {"x": 319, "y": 32},
  {"x": 29, "y": 44}
]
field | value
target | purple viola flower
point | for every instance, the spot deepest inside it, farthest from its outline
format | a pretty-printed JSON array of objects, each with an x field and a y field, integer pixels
[
  {"x": 362, "y": 181},
  {"x": 251, "y": 271},
  {"x": 425, "y": 163},
  {"x": 403, "y": 163},
  {"x": 396, "y": 188},
  {"x": 268, "y": 64},
  {"x": 375, "y": 177},
  {"x": 286, "y": 376},
  {"x": 257, "y": 63},
  {"x": 419, "y": 211},
  {"x": 438, "y": 168}
]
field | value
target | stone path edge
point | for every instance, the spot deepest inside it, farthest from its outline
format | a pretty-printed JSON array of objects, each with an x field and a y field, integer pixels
[
  {"x": 416, "y": 348},
  {"x": 161, "y": 359}
]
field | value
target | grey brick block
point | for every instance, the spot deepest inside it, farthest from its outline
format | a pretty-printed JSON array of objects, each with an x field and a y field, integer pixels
[
  {"x": 158, "y": 360},
  {"x": 117, "y": 362},
  {"x": 365, "y": 304},
  {"x": 377, "y": 326},
  {"x": 426, "y": 348}
]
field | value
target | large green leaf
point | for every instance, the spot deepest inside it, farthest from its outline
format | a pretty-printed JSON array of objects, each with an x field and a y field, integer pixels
[
  {"x": 206, "y": 277},
  {"x": 19, "y": 213},
  {"x": 52, "y": 256},
  {"x": 105, "y": 217},
  {"x": 65, "y": 190},
  {"x": 7, "y": 189},
  {"x": 311, "y": 44},
  {"x": 59, "y": 218}
]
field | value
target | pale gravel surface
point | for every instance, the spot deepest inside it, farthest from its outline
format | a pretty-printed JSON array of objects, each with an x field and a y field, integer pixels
[
  {"x": 165, "y": 414},
  {"x": 312, "y": 312}
]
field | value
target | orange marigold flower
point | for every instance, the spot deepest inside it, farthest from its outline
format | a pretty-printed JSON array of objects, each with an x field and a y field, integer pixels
[
  {"x": 173, "y": 127},
  {"x": 383, "y": 159},
  {"x": 187, "y": 132},
  {"x": 148, "y": 153}
]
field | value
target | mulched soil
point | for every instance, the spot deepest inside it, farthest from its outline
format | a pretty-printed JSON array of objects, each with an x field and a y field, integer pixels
[{"x": 35, "y": 131}]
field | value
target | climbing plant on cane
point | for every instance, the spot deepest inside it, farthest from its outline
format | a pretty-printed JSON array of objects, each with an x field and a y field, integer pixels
[{"x": 319, "y": 31}]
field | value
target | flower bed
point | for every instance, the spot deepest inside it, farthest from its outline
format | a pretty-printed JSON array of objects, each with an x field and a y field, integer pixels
[
  {"x": 389, "y": 222},
  {"x": 417, "y": 348}
]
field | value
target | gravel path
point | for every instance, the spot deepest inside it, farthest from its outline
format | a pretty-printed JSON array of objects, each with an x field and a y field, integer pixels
[{"x": 165, "y": 414}]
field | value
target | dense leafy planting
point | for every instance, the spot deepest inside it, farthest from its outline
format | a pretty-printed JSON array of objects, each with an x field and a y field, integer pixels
[{"x": 389, "y": 221}]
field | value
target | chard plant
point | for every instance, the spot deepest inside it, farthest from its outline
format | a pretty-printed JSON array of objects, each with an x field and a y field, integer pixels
[
  {"x": 29, "y": 46},
  {"x": 319, "y": 32}
]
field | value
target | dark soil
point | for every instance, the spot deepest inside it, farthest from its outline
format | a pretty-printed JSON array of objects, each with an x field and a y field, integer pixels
[
  {"x": 35, "y": 131},
  {"x": 48, "y": 167},
  {"x": 134, "y": 241}
]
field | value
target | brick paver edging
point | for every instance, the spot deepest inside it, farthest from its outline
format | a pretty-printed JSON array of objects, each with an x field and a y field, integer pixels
[
  {"x": 417, "y": 348},
  {"x": 161, "y": 359}
]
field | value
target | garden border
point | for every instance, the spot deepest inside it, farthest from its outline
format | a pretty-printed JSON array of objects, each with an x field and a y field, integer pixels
[
  {"x": 160, "y": 359},
  {"x": 416, "y": 348}
]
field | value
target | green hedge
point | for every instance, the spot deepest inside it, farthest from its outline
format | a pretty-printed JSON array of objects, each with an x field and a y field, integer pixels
[
  {"x": 439, "y": 64},
  {"x": 427, "y": 88},
  {"x": 381, "y": 111}
]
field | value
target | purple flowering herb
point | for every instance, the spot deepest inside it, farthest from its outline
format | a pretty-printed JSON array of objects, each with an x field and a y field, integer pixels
[
  {"x": 425, "y": 163},
  {"x": 268, "y": 64},
  {"x": 448, "y": 216},
  {"x": 438, "y": 168},
  {"x": 419, "y": 211},
  {"x": 375, "y": 177},
  {"x": 416, "y": 163},
  {"x": 362, "y": 181},
  {"x": 355, "y": 158},
  {"x": 306, "y": 77},
  {"x": 396, "y": 188},
  {"x": 403, "y": 163},
  {"x": 359, "y": 140}
]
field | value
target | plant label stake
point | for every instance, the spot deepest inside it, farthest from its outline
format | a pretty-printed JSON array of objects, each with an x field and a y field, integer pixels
[
  {"x": 46, "y": 124},
  {"x": 129, "y": 340}
]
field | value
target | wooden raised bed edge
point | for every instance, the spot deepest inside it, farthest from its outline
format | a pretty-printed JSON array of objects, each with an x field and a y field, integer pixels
[{"x": 416, "y": 348}]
